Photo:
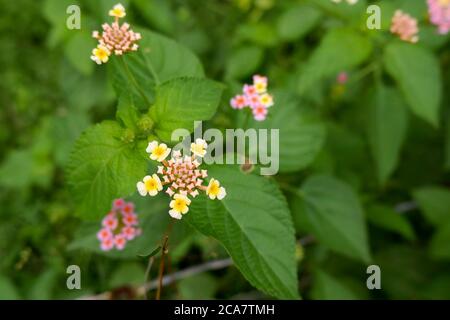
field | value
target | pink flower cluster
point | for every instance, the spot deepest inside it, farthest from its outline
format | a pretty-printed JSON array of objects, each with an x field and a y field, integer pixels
[
  {"x": 254, "y": 96},
  {"x": 117, "y": 38},
  {"x": 342, "y": 78},
  {"x": 118, "y": 226},
  {"x": 439, "y": 11},
  {"x": 405, "y": 27}
]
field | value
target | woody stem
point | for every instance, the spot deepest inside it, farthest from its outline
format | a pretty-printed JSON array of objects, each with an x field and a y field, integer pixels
[{"x": 164, "y": 252}]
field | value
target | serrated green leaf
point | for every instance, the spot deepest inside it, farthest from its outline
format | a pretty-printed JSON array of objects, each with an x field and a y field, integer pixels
[
  {"x": 387, "y": 123},
  {"x": 182, "y": 101},
  {"x": 340, "y": 49},
  {"x": 435, "y": 203},
  {"x": 301, "y": 136},
  {"x": 101, "y": 168},
  {"x": 158, "y": 60},
  {"x": 256, "y": 229},
  {"x": 420, "y": 83},
  {"x": 335, "y": 216}
]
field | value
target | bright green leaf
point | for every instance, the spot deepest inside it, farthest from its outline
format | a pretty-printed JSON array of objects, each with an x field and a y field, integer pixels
[
  {"x": 243, "y": 62},
  {"x": 101, "y": 168},
  {"x": 256, "y": 229},
  {"x": 297, "y": 22},
  {"x": 327, "y": 287},
  {"x": 182, "y": 101}
]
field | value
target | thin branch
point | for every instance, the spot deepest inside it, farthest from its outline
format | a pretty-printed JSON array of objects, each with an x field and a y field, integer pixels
[{"x": 169, "y": 279}]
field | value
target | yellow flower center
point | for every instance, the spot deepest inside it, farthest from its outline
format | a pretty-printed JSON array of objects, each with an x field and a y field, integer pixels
[
  {"x": 101, "y": 53},
  {"x": 151, "y": 184},
  {"x": 179, "y": 205},
  {"x": 444, "y": 2},
  {"x": 159, "y": 151},
  {"x": 214, "y": 189},
  {"x": 260, "y": 86}
]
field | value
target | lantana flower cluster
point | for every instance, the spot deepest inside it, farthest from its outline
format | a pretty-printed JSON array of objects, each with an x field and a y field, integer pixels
[
  {"x": 119, "y": 226},
  {"x": 405, "y": 27},
  {"x": 256, "y": 97},
  {"x": 115, "y": 38},
  {"x": 439, "y": 11},
  {"x": 181, "y": 175}
]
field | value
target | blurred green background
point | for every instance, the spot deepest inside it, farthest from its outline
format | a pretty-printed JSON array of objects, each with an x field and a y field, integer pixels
[{"x": 50, "y": 91}]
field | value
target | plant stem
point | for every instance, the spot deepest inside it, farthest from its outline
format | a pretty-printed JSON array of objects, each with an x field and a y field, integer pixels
[
  {"x": 164, "y": 252},
  {"x": 147, "y": 273}
]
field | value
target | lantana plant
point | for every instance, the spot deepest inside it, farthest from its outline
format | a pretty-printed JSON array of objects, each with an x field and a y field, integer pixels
[{"x": 181, "y": 175}]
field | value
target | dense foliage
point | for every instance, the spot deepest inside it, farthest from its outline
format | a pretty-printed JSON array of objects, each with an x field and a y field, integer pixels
[{"x": 363, "y": 162}]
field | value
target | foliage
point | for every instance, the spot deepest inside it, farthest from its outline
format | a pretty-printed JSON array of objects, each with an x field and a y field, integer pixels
[{"x": 363, "y": 164}]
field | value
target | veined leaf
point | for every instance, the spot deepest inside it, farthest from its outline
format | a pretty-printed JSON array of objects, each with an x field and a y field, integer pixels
[
  {"x": 386, "y": 129},
  {"x": 182, "y": 101},
  {"x": 158, "y": 60},
  {"x": 301, "y": 136},
  {"x": 102, "y": 168},
  {"x": 335, "y": 216},
  {"x": 420, "y": 83},
  {"x": 254, "y": 225}
]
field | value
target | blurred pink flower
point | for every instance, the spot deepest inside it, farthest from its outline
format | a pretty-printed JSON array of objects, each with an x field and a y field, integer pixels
[
  {"x": 405, "y": 27},
  {"x": 118, "y": 226},
  {"x": 254, "y": 96},
  {"x": 342, "y": 77},
  {"x": 439, "y": 11}
]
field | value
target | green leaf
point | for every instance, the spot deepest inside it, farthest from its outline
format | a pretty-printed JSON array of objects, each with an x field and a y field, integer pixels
[
  {"x": 386, "y": 218},
  {"x": 189, "y": 287},
  {"x": 327, "y": 287},
  {"x": 256, "y": 229},
  {"x": 158, "y": 60},
  {"x": 102, "y": 168},
  {"x": 182, "y": 101},
  {"x": 243, "y": 62},
  {"x": 335, "y": 216},
  {"x": 296, "y": 22},
  {"x": 151, "y": 254},
  {"x": 447, "y": 146},
  {"x": 7, "y": 289},
  {"x": 386, "y": 130},
  {"x": 440, "y": 242},
  {"x": 78, "y": 49},
  {"x": 420, "y": 83},
  {"x": 301, "y": 136},
  {"x": 127, "y": 112},
  {"x": 340, "y": 49},
  {"x": 435, "y": 203}
]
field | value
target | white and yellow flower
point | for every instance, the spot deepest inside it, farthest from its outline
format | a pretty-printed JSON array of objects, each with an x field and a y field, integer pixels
[
  {"x": 214, "y": 190},
  {"x": 100, "y": 54},
  {"x": 117, "y": 11},
  {"x": 150, "y": 185},
  {"x": 199, "y": 147},
  {"x": 266, "y": 100},
  {"x": 157, "y": 152},
  {"x": 179, "y": 205},
  {"x": 260, "y": 84}
]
